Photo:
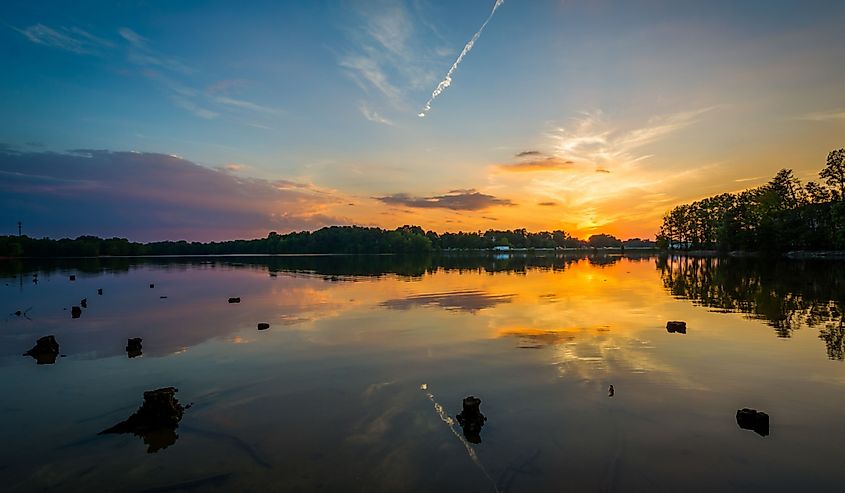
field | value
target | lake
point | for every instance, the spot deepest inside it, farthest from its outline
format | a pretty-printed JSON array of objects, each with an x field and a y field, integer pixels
[{"x": 359, "y": 380}]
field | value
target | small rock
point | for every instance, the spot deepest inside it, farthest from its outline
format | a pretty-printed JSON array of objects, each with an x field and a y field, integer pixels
[
  {"x": 84, "y": 303},
  {"x": 75, "y": 312},
  {"x": 676, "y": 326},
  {"x": 751, "y": 419},
  {"x": 234, "y": 300},
  {"x": 152, "y": 286},
  {"x": 263, "y": 326},
  {"x": 72, "y": 278},
  {"x": 45, "y": 351},
  {"x": 611, "y": 391},
  {"x": 100, "y": 291},
  {"x": 162, "y": 297},
  {"x": 18, "y": 313}
]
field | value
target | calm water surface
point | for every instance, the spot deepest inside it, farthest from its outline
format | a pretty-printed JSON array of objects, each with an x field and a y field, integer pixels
[{"x": 358, "y": 381}]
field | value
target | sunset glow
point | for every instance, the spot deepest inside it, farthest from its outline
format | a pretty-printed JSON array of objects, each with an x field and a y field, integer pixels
[{"x": 583, "y": 116}]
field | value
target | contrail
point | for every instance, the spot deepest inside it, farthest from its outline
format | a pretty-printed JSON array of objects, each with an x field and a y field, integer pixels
[
  {"x": 444, "y": 416},
  {"x": 447, "y": 81}
]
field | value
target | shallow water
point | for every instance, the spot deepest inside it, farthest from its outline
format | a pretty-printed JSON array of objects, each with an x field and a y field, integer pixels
[{"x": 358, "y": 382}]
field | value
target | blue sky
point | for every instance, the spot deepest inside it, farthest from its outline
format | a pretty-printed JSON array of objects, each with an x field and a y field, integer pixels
[{"x": 658, "y": 96}]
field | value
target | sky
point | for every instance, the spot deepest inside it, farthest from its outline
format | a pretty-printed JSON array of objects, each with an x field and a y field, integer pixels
[{"x": 217, "y": 120}]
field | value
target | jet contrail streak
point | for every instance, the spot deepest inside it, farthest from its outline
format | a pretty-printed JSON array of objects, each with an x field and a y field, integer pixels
[
  {"x": 444, "y": 416},
  {"x": 447, "y": 81}
]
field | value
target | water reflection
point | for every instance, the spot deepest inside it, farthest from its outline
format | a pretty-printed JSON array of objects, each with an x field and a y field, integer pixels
[
  {"x": 786, "y": 294},
  {"x": 468, "y": 301},
  {"x": 330, "y": 395}
]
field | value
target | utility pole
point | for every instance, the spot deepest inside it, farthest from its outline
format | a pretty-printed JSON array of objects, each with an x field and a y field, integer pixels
[{"x": 19, "y": 228}]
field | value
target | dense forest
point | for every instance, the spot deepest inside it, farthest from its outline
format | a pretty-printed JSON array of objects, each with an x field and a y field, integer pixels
[
  {"x": 780, "y": 216},
  {"x": 334, "y": 239}
]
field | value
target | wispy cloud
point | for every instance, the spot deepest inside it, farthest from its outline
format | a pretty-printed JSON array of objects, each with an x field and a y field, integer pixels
[
  {"x": 194, "y": 108},
  {"x": 140, "y": 53},
  {"x": 246, "y": 105},
  {"x": 823, "y": 116},
  {"x": 447, "y": 80},
  {"x": 463, "y": 200},
  {"x": 173, "y": 75},
  {"x": 71, "y": 39},
  {"x": 607, "y": 179},
  {"x": 592, "y": 139},
  {"x": 538, "y": 162},
  {"x": 373, "y": 116},
  {"x": 387, "y": 54}
]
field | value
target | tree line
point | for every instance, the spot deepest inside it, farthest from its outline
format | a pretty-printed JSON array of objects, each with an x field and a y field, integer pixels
[
  {"x": 333, "y": 239},
  {"x": 780, "y": 216}
]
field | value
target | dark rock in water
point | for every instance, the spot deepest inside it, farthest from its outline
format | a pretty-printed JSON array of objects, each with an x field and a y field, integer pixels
[
  {"x": 84, "y": 303},
  {"x": 18, "y": 313},
  {"x": 751, "y": 419},
  {"x": 72, "y": 278},
  {"x": 45, "y": 351},
  {"x": 675, "y": 326},
  {"x": 155, "y": 421},
  {"x": 75, "y": 312},
  {"x": 133, "y": 347},
  {"x": 611, "y": 391},
  {"x": 152, "y": 286},
  {"x": 162, "y": 297},
  {"x": 263, "y": 326},
  {"x": 234, "y": 300},
  {"x": 100, "y": 291},
  {"x": 471, "y": 419}
]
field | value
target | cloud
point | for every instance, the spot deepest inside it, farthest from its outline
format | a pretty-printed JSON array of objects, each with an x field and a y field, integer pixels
[
  {"x": 373, "y": 116},
  {"x": 612, "y": 184},
  {"x": 459, "y": 200},
  {"x": 170, "y": 73},
  {"x": 189, "y": 105},
  {"x": 71, "y": 39},
  {"x": 823, "y": 116},
  {"x": 149, "y": 196},
  {"x": 528, "y": 154},
  {"x": 386, "y": 53},
  {"x": 140, "y": 53},
  {"x": 547, "y": 163},
  {"x": 246, "y": 105},
  {"x": 547, "y": 204}
]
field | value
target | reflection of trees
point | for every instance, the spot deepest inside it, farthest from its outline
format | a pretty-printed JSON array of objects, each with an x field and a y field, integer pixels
[
  {"x": 340, "y": 266},
  {"x": 786, "y": 294}
]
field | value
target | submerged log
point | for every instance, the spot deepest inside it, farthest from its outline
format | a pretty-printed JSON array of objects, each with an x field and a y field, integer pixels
[
  {"x": 676, "y": 326},
  {"x": 45, "y": 351},
  {"x": 155, "y": 421},
  {"x": 471, "y": 419},
  {"x": 751, "y": 419}
]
